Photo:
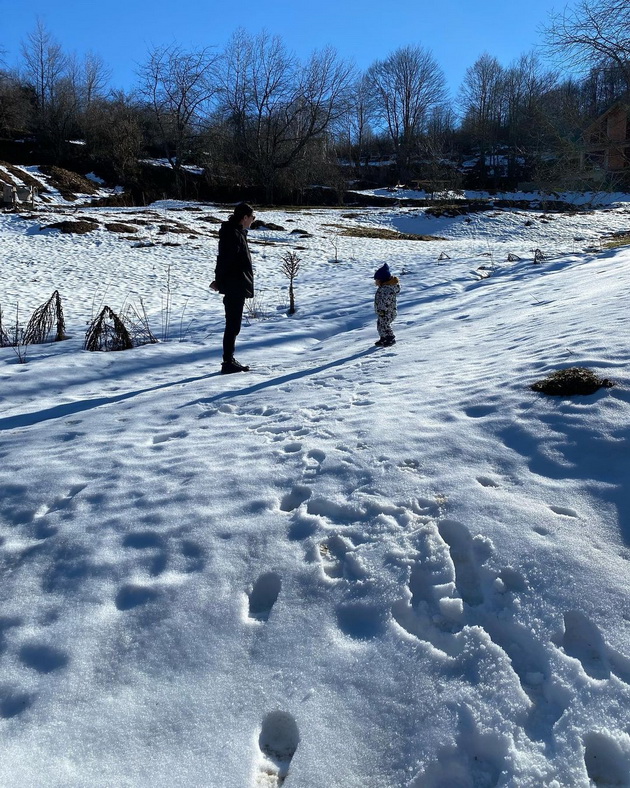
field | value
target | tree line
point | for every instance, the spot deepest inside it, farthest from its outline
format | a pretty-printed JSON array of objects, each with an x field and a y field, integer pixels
[{"x": 262, "y": 122}]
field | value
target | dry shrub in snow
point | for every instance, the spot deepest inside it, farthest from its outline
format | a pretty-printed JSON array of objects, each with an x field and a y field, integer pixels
[
  {"x": 136, "y": 322},
  {"x": 574, "y": 380},
  {"x": 107, "y": 332},
  {"x": 43, "y": 320}
]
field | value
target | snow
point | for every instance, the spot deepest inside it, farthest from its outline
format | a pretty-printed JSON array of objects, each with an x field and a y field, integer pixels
[
  {"x": 351, "y": 566},
  {"x": 587, "y": 199}
]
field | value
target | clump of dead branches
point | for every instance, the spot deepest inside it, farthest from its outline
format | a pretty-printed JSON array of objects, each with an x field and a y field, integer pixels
[
  {"x": 137, "y": 324},
  {"x": 46, "y": 318},
  {"x": 107, "y": 332}
]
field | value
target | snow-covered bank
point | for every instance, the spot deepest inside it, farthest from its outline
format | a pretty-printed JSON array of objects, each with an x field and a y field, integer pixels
[{"x": 365, "y": 567}]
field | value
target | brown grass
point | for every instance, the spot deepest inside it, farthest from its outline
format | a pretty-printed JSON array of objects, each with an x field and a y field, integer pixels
[
  {"x": 381, "y": 233},
  {"x": 574, "y": 380},
  {"x": 69, "y": 184},
  {"x": 619, "y": 239}
]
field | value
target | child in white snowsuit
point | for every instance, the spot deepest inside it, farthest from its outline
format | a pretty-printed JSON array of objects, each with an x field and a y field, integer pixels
[{"x": 387, "y": 288}]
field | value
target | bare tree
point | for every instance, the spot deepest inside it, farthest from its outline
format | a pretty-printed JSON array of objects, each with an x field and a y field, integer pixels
[
  {"x": 180, "y": 87},
  {"x": 45, "y": 64},
  {"x": 406, "y": 86},
  {"x": 592, "y": 34},
  {"x": 114, "y": 135},
  {"x": 354, "y": 130},
  {"x": 275, "y": 107},
  {"x": 89, "y": 77},
  {"x": 482, "y": 97}
]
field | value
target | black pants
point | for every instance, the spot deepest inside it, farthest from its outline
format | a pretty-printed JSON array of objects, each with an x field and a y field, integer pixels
[{"x": 233, "y": 318}]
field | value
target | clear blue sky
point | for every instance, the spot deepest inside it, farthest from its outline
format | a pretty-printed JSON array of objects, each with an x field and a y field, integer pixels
[{"x": 121, "y": 31}]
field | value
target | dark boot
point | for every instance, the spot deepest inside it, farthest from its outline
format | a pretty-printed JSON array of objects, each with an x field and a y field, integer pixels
[
  {"x": 243, "y": 367},
  {"x": 229, "y": 366}
]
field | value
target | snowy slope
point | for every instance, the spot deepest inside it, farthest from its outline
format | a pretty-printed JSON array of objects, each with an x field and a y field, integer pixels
[{"x": 352, "y": 566}]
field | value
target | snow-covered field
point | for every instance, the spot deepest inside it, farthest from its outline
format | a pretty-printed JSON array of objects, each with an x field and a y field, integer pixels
[{"x": 352, "y": 566}]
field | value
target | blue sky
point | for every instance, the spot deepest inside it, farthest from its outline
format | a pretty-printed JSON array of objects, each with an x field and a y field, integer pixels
[{"x": 121, "y": 31}]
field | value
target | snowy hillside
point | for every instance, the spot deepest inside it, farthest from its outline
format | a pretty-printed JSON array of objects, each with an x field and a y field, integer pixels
[{"x": 351, "y": 566}]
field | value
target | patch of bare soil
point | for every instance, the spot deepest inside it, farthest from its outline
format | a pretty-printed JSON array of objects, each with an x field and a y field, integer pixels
[
  {"x": 67, "y": 183},
  {"x": 175, "y": 228},
  {"x": 119, "y": 227},
  {"x": 79, "y": 227},
  {"x": 574, "y": 380},
  {"x": 19, "y": 177}
]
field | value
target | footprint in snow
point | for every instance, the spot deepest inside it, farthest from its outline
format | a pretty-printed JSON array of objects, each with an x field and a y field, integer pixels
[
  {"x": 361, "y": 620},
  {"x": 460, "y": 543},
  {"x": 564, "y": 511},
  {"x": 313, "y": 462},
  {"x": 477, "y": 758},
  {"x": 263, "y": 596},
  {"x": 583, "y": 640},
  {"x": 153, "y": 543},
  {"x": 339, "y": 559},
  {"x": 479, "y": 411},
  {"x": 294, "y": 499},
  {"x": 278, "y": 741},
  {"x": 42, "y": 658},
  {"x": 132, "y": 596},
  {"x": 607, "y": 758},
  {"x": 168, "y": 436},
  {"x": 486, "y": 481},
  {"x": 13, "y": 702}
]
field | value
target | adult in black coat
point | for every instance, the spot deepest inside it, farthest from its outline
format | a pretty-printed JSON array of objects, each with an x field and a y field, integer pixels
[{"x": 234, "y": 278}]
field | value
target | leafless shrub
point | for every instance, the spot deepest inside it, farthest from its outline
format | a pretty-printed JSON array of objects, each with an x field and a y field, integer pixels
[
  {"x": 107, "y": 332},
  {"x": 257, "y": 308},
  {"x": 167, "y": 306},
  {"x": 290, "y": 268},
  {"x": 13, "y": 336},
  {"x": 137, "y": 324},
  {"x": 43, "y": 320},
  {"x": 4, "y": 337}
]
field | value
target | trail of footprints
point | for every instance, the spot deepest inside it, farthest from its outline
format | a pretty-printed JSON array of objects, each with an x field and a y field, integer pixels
[
  {"x": 443, "y": 600},
  {"x": 451, "y": 601}
]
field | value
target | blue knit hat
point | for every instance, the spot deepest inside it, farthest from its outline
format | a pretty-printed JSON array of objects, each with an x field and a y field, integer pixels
[{"x": 383, "y": 274}]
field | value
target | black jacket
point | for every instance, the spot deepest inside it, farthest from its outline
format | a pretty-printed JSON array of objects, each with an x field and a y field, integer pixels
[{"x": 234, "y": 275}]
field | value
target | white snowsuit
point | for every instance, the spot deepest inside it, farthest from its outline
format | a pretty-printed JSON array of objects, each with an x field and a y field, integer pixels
[{"x": 385, "y": 307}]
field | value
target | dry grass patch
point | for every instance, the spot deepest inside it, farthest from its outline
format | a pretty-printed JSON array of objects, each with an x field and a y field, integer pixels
[
  {"x": 574, "y": 380},
  {"x": 381, "y": 233},
  {"x": 68, "y": 183},
  {"x": 618, "y": 239}
]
